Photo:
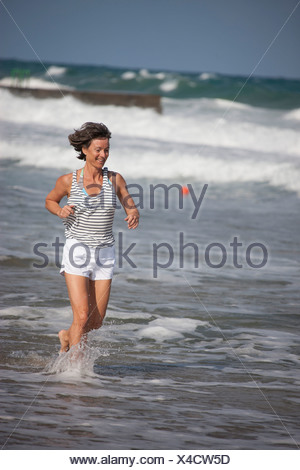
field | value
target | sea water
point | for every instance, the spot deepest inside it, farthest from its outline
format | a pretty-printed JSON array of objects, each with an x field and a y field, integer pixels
[{"x": 200, "y": 345}]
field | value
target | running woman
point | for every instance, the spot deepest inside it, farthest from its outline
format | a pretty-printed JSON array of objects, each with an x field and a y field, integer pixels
[{"x": 89, "y": 253}]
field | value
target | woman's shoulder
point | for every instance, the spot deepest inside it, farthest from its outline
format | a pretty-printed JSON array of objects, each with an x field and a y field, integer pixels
[
  {"x": 65, "y": 179},
  {"x": 64, "y": 182},
  {"x": 117, "y": 181},
  {"x": 115, "y": 176}
]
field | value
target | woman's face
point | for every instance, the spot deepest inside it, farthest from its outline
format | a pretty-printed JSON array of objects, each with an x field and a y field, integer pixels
[{"x": 97, "y": 153}]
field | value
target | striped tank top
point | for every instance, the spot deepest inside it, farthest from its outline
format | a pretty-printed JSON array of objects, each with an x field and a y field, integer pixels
[{"x": 93, "y": 216}]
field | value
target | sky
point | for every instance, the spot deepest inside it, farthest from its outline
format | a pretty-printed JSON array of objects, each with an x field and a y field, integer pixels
[{"x": 235, "y": 37}]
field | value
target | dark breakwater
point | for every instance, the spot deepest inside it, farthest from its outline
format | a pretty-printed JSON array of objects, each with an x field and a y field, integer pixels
[{"x": 92, "y": 97}]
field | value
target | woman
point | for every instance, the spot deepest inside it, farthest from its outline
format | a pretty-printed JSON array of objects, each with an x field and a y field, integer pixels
[{"x": 89, "y": 256}]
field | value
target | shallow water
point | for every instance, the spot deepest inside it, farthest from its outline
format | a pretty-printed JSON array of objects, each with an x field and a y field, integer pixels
[
  {"x": 190, "y": 356},
  {"x": 195, "y": 358}
]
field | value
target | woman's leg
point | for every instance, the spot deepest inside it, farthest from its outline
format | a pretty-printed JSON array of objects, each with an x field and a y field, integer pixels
[
  {"x": 89, "y": 301},
  {"x": 78, "y": 289},
  {"x": 99, "y": 292}
]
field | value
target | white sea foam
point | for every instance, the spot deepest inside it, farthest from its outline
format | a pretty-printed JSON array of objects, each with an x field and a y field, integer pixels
[
  {"x": 293, "y": 115},
  {"x": 56, "y": 70},
  {"x": 160, "y": 75},
  {"x": 163, "y": 329},
  {"x": 207, "y": 140},
  {"x": 128, "y": 75},
  {"x": 146, "y": 74},
  {"x": 207, "y": 76},
  {"x": 33, "y": 82},
  {"x": 170, "y": 85}
]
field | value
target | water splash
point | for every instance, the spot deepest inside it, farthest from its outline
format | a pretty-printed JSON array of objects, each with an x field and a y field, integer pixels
[{"x": 80, "y": 359}]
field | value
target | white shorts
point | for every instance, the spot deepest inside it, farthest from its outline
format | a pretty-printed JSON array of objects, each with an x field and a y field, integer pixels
[{"x": 81, "y": 260}]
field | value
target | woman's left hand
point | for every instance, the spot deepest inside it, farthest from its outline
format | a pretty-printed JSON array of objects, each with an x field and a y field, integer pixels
[{"x": 132, "y": 221}]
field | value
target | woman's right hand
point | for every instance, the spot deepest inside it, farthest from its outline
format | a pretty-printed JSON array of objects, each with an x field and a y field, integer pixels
[{"x": 65, "y": 211}]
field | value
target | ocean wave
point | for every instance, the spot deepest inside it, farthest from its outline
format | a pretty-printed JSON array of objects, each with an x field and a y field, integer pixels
[
  {"x": 164, "y": 329},
  {"x": 146, "y": 74},
  {"x": 209, "y": 165},
  {"x": 168, "y": 86},
  {"x": 192, "y": 140},
  {"x": 293, "y": 115},
  {"x": 207, "y": 76},
  {"x": 33, "y": 82},
  {"x": 255, "y": 91},
  {"x": 56, "y": 70},
  {"x": 128, "y": 75}
]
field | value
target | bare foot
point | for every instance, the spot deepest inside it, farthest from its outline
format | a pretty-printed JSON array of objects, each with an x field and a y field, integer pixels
[{"x": 64, "y": 340}]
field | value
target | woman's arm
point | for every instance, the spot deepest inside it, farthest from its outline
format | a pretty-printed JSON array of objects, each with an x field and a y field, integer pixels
[
  {"x": 61, "y": 189},
  {"x": 126, "y": 200}
]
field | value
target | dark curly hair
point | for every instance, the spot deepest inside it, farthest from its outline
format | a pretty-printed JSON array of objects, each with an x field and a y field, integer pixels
[{"x": 84, "y": 136}]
